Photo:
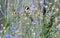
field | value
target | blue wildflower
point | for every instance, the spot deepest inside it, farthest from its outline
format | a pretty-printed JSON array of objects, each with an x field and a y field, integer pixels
[
  {"x": 37, "y": 23},
  {"x": 8, "y": 36},
  {"x": 42, "y": 5},
  {"x": 38, "y": 32},
  {"x": 18, "y": 36},
  {"x": 13, "y": 28},
  {"x": 57, "y": 29},
  {"x": 33, "y": 8}
]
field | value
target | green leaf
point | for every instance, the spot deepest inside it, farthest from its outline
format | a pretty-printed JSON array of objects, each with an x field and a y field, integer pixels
[{"x": 8, "y": 23}]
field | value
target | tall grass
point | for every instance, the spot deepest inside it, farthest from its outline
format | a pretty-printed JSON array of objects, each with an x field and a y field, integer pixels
[{"x": 30, "y": 19}]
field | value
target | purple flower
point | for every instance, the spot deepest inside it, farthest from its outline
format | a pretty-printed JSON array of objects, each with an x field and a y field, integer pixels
[
  {"x": 37, "y": 23},
  {"x": 38, "y": 32},
  {"x": 18, "y": 36},
  {"x": 42, "y": 5},
  {"x": 13, "y": 28},
  {"x": 8, "y": 36},
  {"x": 33, "y": 8},
  {"x": 57, "y": 29}
]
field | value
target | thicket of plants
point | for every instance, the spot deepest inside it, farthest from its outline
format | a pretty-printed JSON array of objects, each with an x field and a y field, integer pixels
[{"x": 30, "y": 18}]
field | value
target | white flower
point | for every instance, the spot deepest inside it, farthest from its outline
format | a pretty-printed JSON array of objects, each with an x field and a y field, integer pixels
[
  {"x": 55, "y": 0},
  {"x": 33, "y": 33}
]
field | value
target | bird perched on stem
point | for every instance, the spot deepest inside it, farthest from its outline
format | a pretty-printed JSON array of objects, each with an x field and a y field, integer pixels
[
  {"x": 26, "y": 9},
  {"x": 27, "y": 13},
  {"x": 14, "y": 12}
]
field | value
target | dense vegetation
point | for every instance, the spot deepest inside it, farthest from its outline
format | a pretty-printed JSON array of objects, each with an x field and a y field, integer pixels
[{"x": 30, "y": 18}]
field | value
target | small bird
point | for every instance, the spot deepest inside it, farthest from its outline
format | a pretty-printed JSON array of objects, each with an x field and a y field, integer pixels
[
  {"x": 15, "y": 12},
  {"x": 27, "y": 13},
  {"x": 27, "y": 9}
]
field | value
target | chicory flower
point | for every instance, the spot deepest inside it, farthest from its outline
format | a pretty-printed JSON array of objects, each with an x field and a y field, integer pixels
[
  {"x": 13, "y": 28},
  {"x": 18, "y": 36},
  {"x": 8, "y": 36}
]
